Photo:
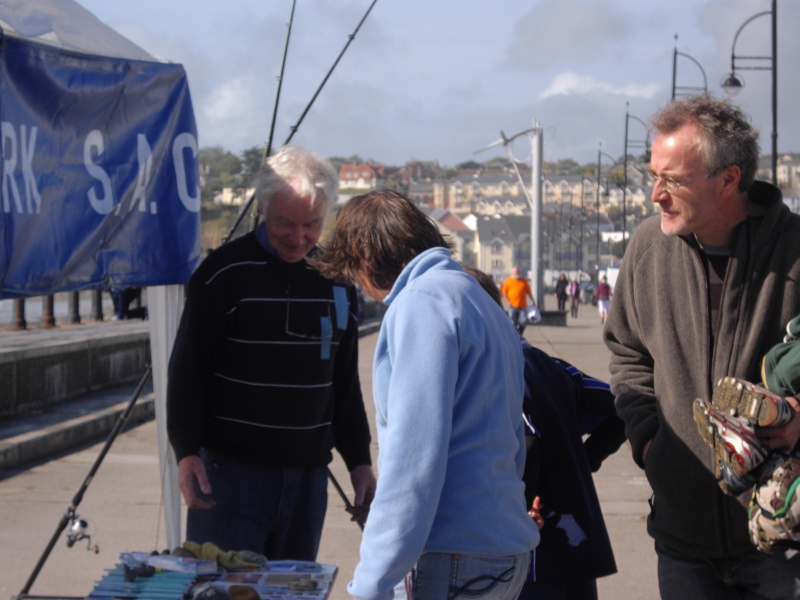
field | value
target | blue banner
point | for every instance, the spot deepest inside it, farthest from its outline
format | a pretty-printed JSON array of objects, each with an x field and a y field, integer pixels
[{"x": 100, "y": 182}]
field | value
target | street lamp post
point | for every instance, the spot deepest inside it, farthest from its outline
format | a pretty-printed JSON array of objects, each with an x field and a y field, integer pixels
[
  {"x": 687, "y": 88},
  {"x": 534, "y": 198},
  {"x": 608, "y": 184},
  {"x": 582, "y": 217},
  {"x": 600, "y": 155},
  {"x": 733, "y": 84},
  {"x": 645, "y": 143},
  {"x": 560, "y": 247},
  {"x": 577, "y": 241}
]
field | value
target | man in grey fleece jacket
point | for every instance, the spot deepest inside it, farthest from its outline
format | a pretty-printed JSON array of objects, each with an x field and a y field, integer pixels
[{"x": 703, "y": 292}]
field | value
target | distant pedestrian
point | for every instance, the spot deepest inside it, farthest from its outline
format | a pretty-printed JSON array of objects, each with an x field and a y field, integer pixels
[
  {"x": 604, "y": 294},
  {"x": 575, "y": 294},
  {"x": 561, "y": 292},
  {"x": 516, "y": 290},
  {"x": 122, "y": 299}
]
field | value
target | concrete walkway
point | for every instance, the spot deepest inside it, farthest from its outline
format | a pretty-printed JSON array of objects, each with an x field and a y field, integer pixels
[{"x": 122, "y": 502}]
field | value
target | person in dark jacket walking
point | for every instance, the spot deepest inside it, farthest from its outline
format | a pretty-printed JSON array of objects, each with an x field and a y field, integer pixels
[
  {"x": 575, "y": 294},
  {"x": 703, "y": 292},
  {"x": 561, "y": 292}
]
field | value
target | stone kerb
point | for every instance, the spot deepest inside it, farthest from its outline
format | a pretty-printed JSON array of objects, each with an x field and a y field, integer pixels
[
  {"x": 51, "y": 372},
  {"x": 553, "y": 318}
]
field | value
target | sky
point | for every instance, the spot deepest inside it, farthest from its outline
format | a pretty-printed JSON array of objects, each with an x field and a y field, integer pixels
[{"x": 440, "y": 79}]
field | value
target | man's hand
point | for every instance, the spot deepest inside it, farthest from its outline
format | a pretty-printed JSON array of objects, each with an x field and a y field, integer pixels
[
  {"x": 785, "y": 437},
  {"x": 194, "y": 483},
  {"x": 364, "y": 485},
  {"x": 536, "y": 512}
]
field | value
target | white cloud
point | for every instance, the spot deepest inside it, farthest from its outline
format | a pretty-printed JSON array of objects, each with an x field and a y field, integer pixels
[
  {"x": 438, "y": 80},
  {"x": 221, "y": 113},
  {"x": 573, "y": 83},
  {"x": 558, "y": 32}
]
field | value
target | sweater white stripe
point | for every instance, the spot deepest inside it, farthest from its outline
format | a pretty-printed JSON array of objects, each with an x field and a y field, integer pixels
[
  {"x": 276, "y": 385},
  {"x": 264, "y": 426},
  {"x": 275, "y": 342},
  {"x": 238, "y": 264}
]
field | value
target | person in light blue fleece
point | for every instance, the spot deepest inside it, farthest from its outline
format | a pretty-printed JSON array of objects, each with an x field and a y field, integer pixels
[{"x": 448, "y": 384}]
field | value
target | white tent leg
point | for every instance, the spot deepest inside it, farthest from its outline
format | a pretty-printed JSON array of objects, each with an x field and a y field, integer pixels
[{"x": 164, "y": 306}]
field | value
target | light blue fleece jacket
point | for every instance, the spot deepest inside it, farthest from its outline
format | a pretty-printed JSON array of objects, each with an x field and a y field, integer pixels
[{"x": 448, "y": 383}]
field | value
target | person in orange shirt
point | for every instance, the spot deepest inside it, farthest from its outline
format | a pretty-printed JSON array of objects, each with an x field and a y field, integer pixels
[{"x": 516, "y": 290}]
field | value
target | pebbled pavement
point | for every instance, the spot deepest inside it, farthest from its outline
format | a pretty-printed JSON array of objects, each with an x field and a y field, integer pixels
[{"x": 122, "y": 502}]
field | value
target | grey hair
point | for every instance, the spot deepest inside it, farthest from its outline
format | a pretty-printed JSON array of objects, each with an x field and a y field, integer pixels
[
  {"x": 300, "y": 170},
  {"x": 727, "y": 137}
]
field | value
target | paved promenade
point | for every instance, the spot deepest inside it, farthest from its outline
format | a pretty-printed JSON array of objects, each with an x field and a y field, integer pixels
[{"x": 122, "y": 503}]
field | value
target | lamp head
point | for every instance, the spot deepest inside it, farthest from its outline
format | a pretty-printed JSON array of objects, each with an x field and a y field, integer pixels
[{"x": 733, "y": 84}]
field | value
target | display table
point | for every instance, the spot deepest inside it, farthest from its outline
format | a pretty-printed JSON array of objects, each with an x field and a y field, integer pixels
[{"x": 159, "y": 577}]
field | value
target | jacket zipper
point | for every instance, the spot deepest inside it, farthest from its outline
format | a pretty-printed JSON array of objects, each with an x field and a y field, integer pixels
[{"x": 711, "y": 354}]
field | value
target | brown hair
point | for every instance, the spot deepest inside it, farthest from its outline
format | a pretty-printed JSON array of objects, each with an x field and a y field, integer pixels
[
  {"x": 487, "y": 283},
  {"x": 377, "y": 234},
  {"x": 726, "y": 136}
]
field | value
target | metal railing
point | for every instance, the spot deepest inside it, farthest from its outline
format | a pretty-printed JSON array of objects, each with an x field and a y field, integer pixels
[
  {"x": 91, "y": 306},
  {"x": 62, "y": 308}
]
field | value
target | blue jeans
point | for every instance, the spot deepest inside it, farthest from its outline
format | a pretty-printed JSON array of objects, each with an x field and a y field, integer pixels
[
  {"x": 754, "y": 576},
  {"x": 519, "y": 316},
  {"x": 440, "y": 576},
  {"x": 277, "y": 512}
]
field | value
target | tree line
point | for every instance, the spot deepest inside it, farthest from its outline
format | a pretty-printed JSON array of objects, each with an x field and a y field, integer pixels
[{"x": 220, "y": 168}]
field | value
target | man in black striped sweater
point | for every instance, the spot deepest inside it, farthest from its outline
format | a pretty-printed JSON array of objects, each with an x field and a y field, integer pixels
[{"x": 263, "y": 377}]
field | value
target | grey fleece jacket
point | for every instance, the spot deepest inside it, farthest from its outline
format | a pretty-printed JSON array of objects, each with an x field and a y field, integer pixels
[{"x": 662, "y": 359}]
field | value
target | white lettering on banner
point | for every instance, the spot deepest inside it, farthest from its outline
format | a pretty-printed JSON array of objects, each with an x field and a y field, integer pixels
[
  {"x": 143, "y": 179},
  {"x": 26, "y": 152},
  {"x": 9, "y": 165},
  {"x": 20, "y": 151},
  {"x": 182, "y": 142},
  {"x": 94, "y": 141},
  {"x": 28, "y": 148}
]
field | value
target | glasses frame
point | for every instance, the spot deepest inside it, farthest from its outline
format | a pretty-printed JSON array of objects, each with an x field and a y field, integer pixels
[{"x": 670, "y": 185}]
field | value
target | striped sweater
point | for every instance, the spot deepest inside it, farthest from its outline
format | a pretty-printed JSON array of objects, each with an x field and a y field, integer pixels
[{"x": 265, "y": 363}]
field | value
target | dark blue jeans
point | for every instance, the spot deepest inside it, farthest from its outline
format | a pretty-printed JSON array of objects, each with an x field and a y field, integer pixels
[
  {"x": 754, "y": 576},
  {"x": 277, "y": 512},
  {"x": 519, "y": 316}
]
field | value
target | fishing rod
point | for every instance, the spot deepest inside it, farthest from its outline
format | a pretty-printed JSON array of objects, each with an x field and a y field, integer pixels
[
  {"x": 78, "y": 526},
  {"x": 347, "y": 504},
  {"x": 268, "y": 147},
  {"x": 350, "y": 38},
  {"x": 296, "y": 126}
]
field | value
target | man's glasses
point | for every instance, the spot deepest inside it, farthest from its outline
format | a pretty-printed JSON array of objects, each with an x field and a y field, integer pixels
[{"x": 671, "y": 185}]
